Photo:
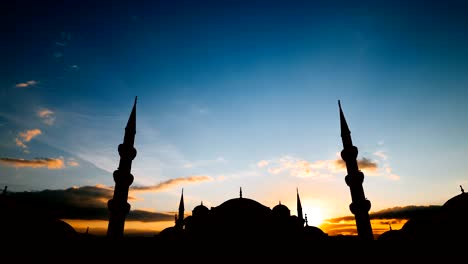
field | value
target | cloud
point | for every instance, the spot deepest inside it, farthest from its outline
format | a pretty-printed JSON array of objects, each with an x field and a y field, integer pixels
[
  {"x": 47, "y": 116},
  {"x": 364, "y": 164},
  {"x": 86, "y": 202},
  {"x": 296, "y": 167},
  {"x": 305, "y": 169},
  {"x": 171, "y": 183},
  {"x": 20, "y": 143},
  {"x": 73, "y": 163},
  {"x": 386, "y": 169},
  {"x": 262, "y": 163},
  {"x": 405, "y": 212},
  {"x": 380, "y": 220},
  {"x": 29, "y": 134},
  {"x": 26, "y": 136},
  {"x": 26, "y": 84},
  {"x": 381, "y": 154},
  {"x": 49, "y": 163}
]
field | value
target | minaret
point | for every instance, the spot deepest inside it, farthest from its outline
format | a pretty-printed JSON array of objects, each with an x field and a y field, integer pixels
[
  {"x": 360, "y": 206},
  {"x": 118, "y": 205},
  {"x": 180, "y": 218},
  {"x": 299, "y": 208},
  {"x": 240, "y": 192}
]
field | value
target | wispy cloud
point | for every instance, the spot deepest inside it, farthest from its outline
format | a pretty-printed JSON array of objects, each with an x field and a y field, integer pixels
[
  {"x": 29, "y": 134},
  {"x": 296, "y": 167},
  {"x": 49, "y": 163},
  {"x": 381, "y": 154},
  {"x": 26, "y": 136},
  {"x": 171, "y": 183},
  {"x": 311, "y": 169},
  {"x": 73, "y": 163},
  {"x": 26, "y": 84},
  {"x": 47, "y": 116},
  {"x": 387, "y": 170}
]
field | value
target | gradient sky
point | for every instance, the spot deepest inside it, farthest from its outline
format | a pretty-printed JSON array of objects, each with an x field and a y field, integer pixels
[{"x": 237, "y": 93}]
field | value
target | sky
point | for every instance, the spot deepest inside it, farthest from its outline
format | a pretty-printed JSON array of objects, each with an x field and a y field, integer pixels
[{"x": 234, "y": 94}]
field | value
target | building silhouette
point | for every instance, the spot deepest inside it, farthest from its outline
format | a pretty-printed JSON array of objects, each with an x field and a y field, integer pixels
[{"x": 243, "y": 219}]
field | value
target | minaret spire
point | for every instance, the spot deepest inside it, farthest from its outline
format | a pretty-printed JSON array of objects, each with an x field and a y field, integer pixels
[
  {"x": 118, "y": 205},
  {"x": 180, "y": 219},
  {"x": 299, "y": 207},
  {"x": 345, "y": 133},
  {"x": 240, "y": 192},
  {"x": 360, "y": 206}
]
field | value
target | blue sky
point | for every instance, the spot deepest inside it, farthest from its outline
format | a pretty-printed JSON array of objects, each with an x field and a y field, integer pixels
[{"x": 243, "y": 93}]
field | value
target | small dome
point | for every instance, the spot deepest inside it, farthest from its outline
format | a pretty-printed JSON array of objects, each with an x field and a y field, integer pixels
[
  {"x": 200, "y": 210},
  {"x": 281, "y": 210}
]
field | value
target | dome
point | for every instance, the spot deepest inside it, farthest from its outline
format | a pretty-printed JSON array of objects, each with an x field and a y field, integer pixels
[
  {"x": 200, "y": 210},
  {"x": 457, "y": 203},
  {"x": 281, "y": 210},
  {"x": 239, "y": 217},
  {"x": 453, "y": 216},
  {"x": 447, "y": 222},
  {"x": 241, "y": 206}
]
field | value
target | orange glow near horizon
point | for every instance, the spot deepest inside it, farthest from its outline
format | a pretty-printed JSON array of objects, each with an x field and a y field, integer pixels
[
  {"x": 99, "y": 227},
  {"x": 348, "y": 227},
  {"x": 345, "y": 227}
]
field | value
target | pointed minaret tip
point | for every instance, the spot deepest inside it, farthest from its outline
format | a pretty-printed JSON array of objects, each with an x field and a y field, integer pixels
[
  {"x": 131, "y": 123},
  {"x": 343, "y": 124}
]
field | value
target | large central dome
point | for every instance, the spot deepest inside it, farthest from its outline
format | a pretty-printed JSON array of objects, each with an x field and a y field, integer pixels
[{"x": 241, "y": 207}]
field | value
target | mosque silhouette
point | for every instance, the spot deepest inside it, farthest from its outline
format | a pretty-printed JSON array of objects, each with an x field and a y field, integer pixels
[
  {"x": 250, "y": 220},
  {"x": 240, "y": 218}
]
